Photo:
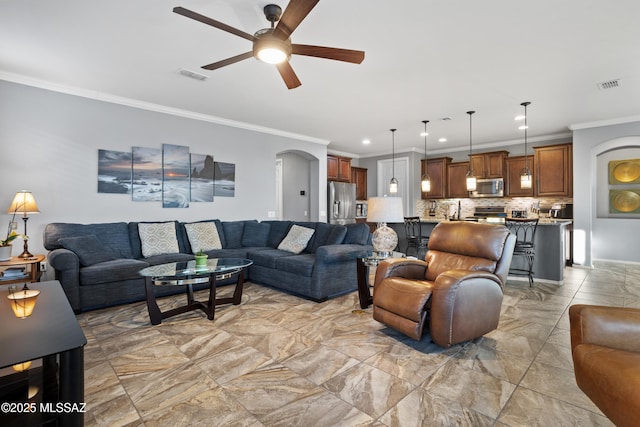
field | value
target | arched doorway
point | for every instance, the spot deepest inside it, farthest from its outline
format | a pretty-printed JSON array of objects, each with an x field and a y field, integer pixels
[{"x": 297, "y": 186}]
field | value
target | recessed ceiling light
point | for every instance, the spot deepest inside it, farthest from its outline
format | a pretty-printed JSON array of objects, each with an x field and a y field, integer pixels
[
  {"x": 424, "y": 133},
  {"x": 519, "y": 117},
  {"x": 442, "y": 140},
  {"x": 523, "y": 127},
  {"x": 366, "y": 141}
]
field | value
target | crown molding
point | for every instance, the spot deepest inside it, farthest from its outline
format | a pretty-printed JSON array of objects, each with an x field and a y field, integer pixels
[
  {"x": 608, "y": 122},
  {"x": 129, "y": 102}
]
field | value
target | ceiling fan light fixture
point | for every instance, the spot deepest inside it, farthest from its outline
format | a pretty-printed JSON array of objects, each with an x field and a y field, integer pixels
[{"x": 270, "y": 49}]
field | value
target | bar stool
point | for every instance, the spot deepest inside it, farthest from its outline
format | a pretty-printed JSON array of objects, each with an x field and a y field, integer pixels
[
  {"x": 525, "y": 232},
  {"x": 413, "y": 231}
]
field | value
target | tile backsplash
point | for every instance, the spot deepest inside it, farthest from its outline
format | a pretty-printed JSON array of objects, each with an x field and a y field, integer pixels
[{"x": 467, "y": 206}]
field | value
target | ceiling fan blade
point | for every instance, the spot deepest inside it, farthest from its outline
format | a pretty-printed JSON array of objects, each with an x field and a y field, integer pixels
[
  {"x": 288, "y": 75},
  {"x": 346, "y": 55},
  {"x": 209, "y": 21},
  {"x": 293, "y": 15},
  {"x": 228, "y": 61}
]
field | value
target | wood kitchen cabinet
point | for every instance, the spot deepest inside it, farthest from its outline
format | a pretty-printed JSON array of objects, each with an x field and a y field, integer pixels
[
  {"x": 437, "y": 170},
  {"x": 338, "y": 168},
  {"x": 457, "y": 180},
  {"x": 359, "y": 178},
  {"x": 553, "y": 170},
  {"x": 489, "y": 165},
  {"x": 513, "y": 167}
]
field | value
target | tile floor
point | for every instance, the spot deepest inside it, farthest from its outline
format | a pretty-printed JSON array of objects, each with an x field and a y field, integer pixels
[{"x": 278, "y": 360}]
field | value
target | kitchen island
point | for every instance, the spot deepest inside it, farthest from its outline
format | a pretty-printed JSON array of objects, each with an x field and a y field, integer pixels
[{"x": 552, "y": 246}]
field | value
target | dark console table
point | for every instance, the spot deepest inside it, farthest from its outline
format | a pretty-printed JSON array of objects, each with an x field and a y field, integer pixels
[{"x": 52, "y": 390}]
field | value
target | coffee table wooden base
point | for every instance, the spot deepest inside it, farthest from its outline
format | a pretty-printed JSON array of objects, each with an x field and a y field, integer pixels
[{"x": 209, "y": 307}]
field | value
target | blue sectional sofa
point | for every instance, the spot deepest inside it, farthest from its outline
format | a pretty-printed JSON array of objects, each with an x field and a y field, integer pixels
[{"x": 98, "y": 264}]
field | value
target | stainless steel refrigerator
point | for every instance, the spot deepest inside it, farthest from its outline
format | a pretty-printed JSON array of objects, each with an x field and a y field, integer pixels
[{"x": 341, "y": 203}]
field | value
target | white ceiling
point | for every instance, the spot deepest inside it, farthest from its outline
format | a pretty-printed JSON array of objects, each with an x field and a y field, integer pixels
[{"x": 425, "y": 59}]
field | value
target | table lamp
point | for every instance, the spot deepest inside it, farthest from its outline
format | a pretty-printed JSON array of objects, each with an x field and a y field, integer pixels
[
  {"x": 24, "y": 203},
  {"x": 383, "y": 210}
]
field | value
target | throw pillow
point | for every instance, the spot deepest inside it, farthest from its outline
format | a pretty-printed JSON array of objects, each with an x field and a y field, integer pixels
[
  {"x": 296, "y": 239},
  {"x": 89, "y": 249},
  {"x": 255, "y": 234},
  {"x": 158, "y": 238},
  {"x": 203, "y": 236}
]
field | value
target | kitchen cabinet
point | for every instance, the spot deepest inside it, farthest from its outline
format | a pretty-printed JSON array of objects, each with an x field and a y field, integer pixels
[
  {"x": 489, "y": 165},
  {"x": 359, "y": 178},
  {"x": 513, "y": 167},
  {"x": 457, "y": 180},
  {"x": 338, "y": 168},
  {"x": 437, "y": 170},
  {"x": 553, "y": 170}
]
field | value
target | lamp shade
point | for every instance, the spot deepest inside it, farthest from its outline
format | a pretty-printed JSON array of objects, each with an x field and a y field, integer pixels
[
  {"x": 23, "y": 202},
  {"x": 23, "y": 302},
  {"x": 385, "y": 209}
]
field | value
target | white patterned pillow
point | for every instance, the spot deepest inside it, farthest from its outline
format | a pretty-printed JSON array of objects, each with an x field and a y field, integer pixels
[
  {"x": 296, "y": 240},
  {"x": 158, "y": 238},
  {"x": 203, "y": 236}
]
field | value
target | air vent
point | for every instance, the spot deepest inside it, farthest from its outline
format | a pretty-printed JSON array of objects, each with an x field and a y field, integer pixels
[
  {"x": 609, "y": 84},
  {"x": 193, "y": 74}
]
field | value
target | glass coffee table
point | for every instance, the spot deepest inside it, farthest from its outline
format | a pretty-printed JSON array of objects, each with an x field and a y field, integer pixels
[{"x": 187, "y": 274}]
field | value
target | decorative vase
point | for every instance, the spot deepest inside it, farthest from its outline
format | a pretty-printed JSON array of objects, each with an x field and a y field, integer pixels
[{"x": 5, "y": 252}]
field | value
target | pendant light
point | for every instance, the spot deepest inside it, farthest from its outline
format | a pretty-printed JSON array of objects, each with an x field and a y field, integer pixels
[
  {"x": 471, "y": 178},
  {"x": 525, "y": 173},
  {"x": 393, "y": 184},
  {"x": 425, "y": 181}
]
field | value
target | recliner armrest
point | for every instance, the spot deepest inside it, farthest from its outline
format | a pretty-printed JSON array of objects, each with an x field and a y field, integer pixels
[
  {"x": 400, "y": 267},
  {"x": 613, "y": 327}
]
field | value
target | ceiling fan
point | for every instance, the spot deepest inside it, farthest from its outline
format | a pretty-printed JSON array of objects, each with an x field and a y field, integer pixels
[{"x": 273, "y": 45}]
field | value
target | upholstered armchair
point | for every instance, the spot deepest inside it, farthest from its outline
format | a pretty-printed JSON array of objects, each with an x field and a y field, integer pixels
[
  {"x": 457, "y": 289},
  {"x": 605, "y": 344}
]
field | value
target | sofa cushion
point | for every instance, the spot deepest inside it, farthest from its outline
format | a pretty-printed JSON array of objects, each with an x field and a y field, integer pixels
[
  {"x": 267, "y": 257},
  {"x": 255, "y": 234},
  {"x": 203, "y": 236},
  {"x": 296, "y": 239},
  {"x": 89, "y": 249},
  {"x": 113, "y": 234},
  {"x": 277, "y": 231},
  {"x": 297, "y": 264},
  {"x": 327, "y": 234},
  {"x": 357, "y": 234},
  {"x": 158, "y": 238},
  {"x": 233, "y": 233},
  {"x": 111, "y": 271}
]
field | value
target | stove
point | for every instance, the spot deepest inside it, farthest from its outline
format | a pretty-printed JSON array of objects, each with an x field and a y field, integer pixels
[{"x": 488, "y": 213}]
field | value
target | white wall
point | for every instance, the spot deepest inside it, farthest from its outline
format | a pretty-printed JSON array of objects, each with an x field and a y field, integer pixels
[
  {"x": 49, "y": 145},
  {"x": 600, "y": 238}
]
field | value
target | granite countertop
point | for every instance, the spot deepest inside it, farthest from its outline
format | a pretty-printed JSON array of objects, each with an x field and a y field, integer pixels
[{"x": 542, "y": 221}]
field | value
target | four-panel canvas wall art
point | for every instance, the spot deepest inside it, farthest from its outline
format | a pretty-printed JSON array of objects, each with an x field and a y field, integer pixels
[{"x": 171, "y": 175}]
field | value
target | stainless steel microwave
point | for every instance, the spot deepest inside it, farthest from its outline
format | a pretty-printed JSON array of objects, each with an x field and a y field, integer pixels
[{"x": 493, "y": 187}]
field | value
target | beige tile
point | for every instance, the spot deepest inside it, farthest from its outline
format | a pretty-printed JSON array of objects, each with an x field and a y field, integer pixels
[
  {"x": 528, "y": 408},
  {"x": 474, "y": 390},
  {"x": 369, "y": 389},
  {"x": 280, "y": 360},
  {"x": 268, "y": 388}
]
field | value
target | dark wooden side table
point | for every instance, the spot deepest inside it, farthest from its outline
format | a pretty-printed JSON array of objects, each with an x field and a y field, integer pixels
[
  {"x": 34, "y": 269},
  {"x": 364, "y": 265},
  {"x": 52, "y": 334}
]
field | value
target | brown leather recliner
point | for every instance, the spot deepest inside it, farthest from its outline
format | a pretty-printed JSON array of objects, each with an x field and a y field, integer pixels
[
  {"x": 457, "y": 289},
  {"x": 605, "y": 344}
]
